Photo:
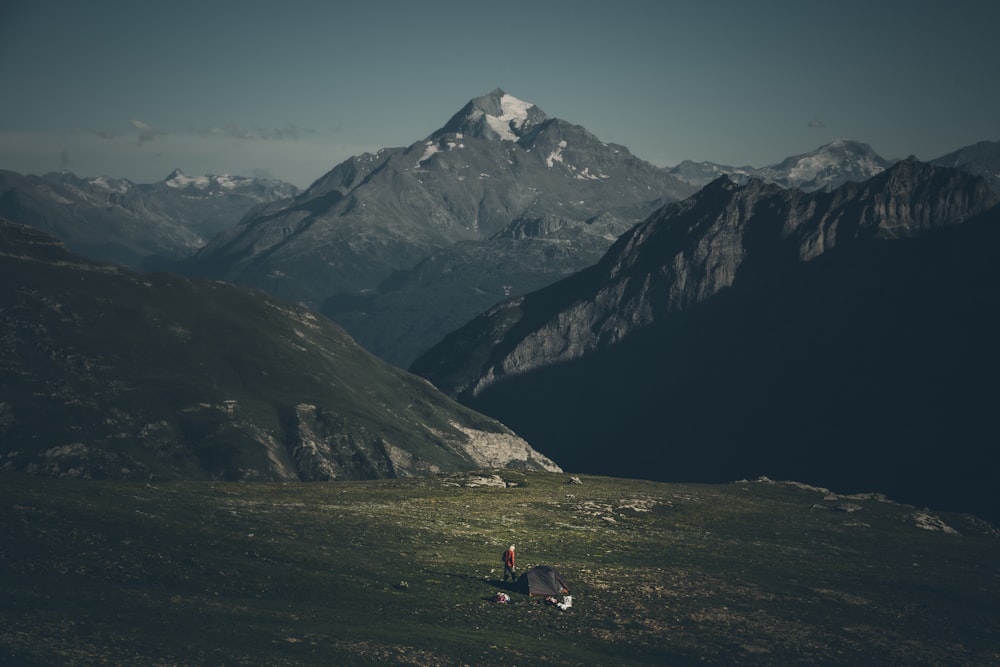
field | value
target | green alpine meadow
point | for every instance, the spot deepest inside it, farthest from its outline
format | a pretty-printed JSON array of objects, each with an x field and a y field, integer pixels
[{"x": 406, "y": 571}]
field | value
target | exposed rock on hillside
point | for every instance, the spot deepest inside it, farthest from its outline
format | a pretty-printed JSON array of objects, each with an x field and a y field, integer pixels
[{"x": 113, "y": 374}]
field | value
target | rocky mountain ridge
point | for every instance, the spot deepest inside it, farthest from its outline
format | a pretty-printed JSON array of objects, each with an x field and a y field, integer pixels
[
  {"x": 691, "y": 250},
  {"x": 114, "y": 374}
]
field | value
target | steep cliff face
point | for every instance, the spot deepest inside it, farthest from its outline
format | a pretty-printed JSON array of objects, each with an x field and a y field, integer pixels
[
  {"x": 692, "y": 250},
  {"x": 113, "y": 374}
]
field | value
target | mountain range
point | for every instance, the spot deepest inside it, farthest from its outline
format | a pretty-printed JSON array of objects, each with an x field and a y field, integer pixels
[
  {"x": 108, "y": 373},
  {"x": 830, "y": 320},
  {"x": 842, "y": 338},
  {"x": 403, "y": 245},
  {"x": 613, "y": 280},
  {"x": 141, "y": 226}
]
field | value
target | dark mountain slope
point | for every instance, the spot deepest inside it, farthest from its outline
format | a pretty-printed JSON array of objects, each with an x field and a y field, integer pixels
[
  {"x": 868, "y": 370},
  {"x": 705, "y": 346},
  {"x": 108, "y": 373}
]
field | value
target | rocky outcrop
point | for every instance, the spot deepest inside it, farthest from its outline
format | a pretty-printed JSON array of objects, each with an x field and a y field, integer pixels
[{"x": 327, "y": 446}]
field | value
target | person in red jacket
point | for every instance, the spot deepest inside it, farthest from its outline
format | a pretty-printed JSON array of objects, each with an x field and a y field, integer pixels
[{"x": 508, "y": 565}]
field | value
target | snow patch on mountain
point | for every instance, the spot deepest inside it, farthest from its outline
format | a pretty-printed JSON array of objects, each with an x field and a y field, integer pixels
[
  {"x": 585, "y": 175},
  {"x": 115, "y": 185},
  {"x": 581, "y": 174},
  {"x": 556, "y": 155},
  {"x": 181, "y": 180},
  {"x": 514, "y": 114},
  {"x": 432, "y": 147},
  {"x": 430, "y": 150},
  {"x": 810, "y": 167}
]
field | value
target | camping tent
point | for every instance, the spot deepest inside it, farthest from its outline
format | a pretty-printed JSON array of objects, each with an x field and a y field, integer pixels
[{"x": 542, "y": 580}]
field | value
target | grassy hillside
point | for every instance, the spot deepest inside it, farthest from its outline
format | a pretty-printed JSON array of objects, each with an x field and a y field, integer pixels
[
  {"x": 404, "y": 571},
  {"x": 112, "y": 374}
]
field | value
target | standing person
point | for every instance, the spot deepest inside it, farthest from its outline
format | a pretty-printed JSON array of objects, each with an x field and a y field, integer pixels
[{"x": 508, "y": 565}]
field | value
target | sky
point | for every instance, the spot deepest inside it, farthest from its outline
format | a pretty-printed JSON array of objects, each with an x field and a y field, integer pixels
[{"x": 290, "y": 89}]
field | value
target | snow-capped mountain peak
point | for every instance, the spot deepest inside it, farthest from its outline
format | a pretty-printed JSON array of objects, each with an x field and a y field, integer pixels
[
  {"x": 514, "y": 114},
  {"x": 829, "y": 165},
  {"x": 121, "y": 185},
  {"x": 497, "y": 115},
  {"x": 825, "y": 168}
]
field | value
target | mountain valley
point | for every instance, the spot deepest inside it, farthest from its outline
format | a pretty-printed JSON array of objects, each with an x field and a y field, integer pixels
[{"x": 616, "y": 295}]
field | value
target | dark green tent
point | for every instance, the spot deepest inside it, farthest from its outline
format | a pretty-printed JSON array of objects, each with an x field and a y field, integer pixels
[{"x": 542, "y": 580}]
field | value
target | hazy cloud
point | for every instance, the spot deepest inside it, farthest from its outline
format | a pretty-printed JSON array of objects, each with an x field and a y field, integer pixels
[
  {"x": 237, "y": 131},
  {"x": 817, "y": 123},
  {"x": 146, "y": 133},
  {"x": 64, "y": 162},
  {"x": 289, "y": 131}
]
